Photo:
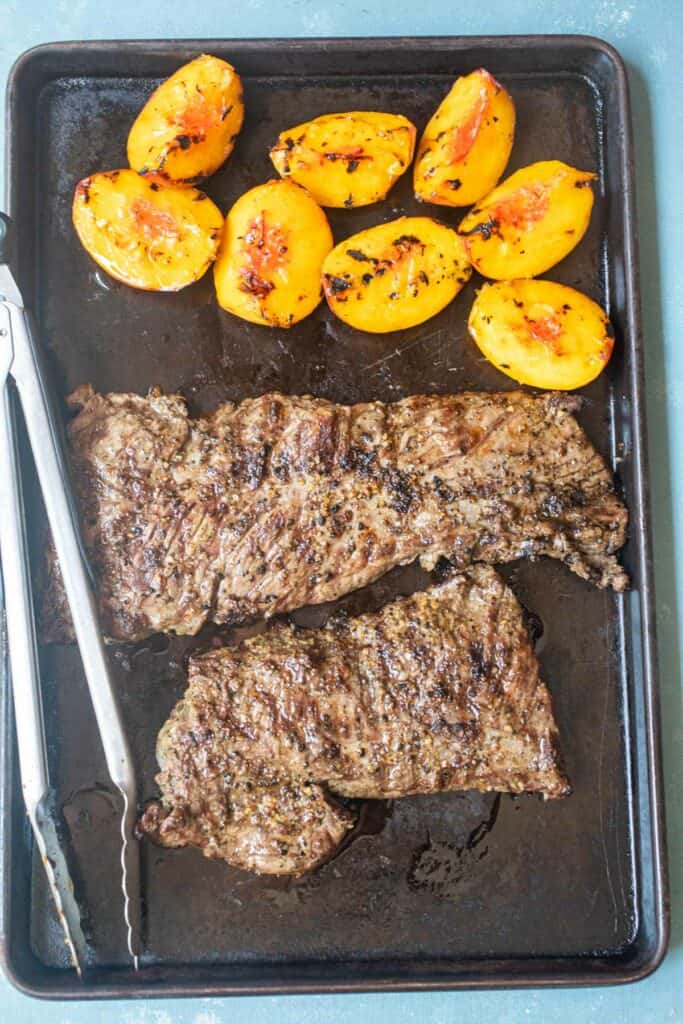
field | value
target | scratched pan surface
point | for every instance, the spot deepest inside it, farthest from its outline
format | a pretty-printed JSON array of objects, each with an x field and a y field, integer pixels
[{"x": 447, "y": 890}]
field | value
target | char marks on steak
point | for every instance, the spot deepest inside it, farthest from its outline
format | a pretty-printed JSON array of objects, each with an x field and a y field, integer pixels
[
  {"x": 280, "y": 502},
  {"x": 438, "y": 691}
]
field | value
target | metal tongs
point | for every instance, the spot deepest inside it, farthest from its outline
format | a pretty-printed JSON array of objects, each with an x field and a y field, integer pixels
[{"x": 19, "y": 360}]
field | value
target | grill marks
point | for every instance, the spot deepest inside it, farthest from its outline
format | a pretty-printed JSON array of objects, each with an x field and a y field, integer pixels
[
  {"x": 437, "y": 691},
  {"x": 280, "y": 502}
]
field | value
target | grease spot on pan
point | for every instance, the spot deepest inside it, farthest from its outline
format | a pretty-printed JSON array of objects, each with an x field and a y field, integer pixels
[{"x": 438, "y": 867}]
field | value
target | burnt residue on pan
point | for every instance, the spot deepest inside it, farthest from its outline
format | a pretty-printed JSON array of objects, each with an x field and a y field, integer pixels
[{"x": 439, "y": 866}]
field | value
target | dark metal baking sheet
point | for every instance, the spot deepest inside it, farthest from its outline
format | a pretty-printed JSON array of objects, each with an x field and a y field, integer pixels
[{"x": 448, "y": 891}]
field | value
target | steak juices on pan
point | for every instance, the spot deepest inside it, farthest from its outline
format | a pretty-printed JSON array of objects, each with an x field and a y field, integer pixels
[{"x": 282, "y": 501}]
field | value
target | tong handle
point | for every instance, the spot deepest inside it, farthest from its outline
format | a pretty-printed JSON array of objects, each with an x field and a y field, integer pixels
[{"x": 21, "y": 638}]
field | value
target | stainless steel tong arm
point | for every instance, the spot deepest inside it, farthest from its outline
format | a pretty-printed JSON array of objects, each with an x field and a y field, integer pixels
[
  {"x": 28, "y": 709},
  {"x": 43, "y": 436}
]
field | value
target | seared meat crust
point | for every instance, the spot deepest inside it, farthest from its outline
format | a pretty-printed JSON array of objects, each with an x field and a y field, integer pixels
[
  {"x": 439, "y": 691},
  {"x": 280, "y": 502}
]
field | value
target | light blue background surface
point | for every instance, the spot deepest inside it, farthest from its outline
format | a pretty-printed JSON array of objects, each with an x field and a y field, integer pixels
[{"x": 649, "y": 35}]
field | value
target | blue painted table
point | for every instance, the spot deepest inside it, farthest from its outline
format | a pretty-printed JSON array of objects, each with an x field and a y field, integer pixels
[{"x": 649, "y": 35}]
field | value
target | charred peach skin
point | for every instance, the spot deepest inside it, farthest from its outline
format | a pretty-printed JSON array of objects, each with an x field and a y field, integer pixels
[
  {"x": 466, "y": 145},
  {"x": 530, "y": 222},
  {"x": 348, "y": 159},
  {"x": 149, "y": 235},
  {"x": 268, "y": 269},
  {"x": 542, "y": 334},
  {"x": 188, "y": 126},
  {"x": 395, "y": 275}
]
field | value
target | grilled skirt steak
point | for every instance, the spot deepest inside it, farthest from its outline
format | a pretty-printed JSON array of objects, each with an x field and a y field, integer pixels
[
  {"x": 439, "y": 691},
  {"x": 280, "y": 502}
]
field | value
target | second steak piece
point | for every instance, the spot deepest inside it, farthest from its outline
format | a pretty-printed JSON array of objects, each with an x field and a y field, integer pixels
[
  {"x": 438, "y": 691},
  {"x": 280, "y": 502}
]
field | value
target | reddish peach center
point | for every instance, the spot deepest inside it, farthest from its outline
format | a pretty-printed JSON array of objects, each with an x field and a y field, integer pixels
[
  {"x": 266, "y": 248},
  {"x": 348, "y": 153},
  {"x": 197, "y": 117},
  {"x": 465, "y": 134},
  {"x": 265, "y": 245},
  {"x": 154, "y": 223},
  {"x": 546, "y": 329},
  {"x": 523, "y": 208}
]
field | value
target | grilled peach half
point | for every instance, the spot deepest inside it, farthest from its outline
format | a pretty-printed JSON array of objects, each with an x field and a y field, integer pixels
[
  {"x": 145, "y": 233},
  {"x": 188, "y": 126},
  {"x": 542, "y": 334},
  {"x": 530, "y": 222},
  {"x": 268, "y": 268},
  {"x": 346, "y": 160},
  {"x": 466, "y": 145},
  {"x": 395, "y": 275}
]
